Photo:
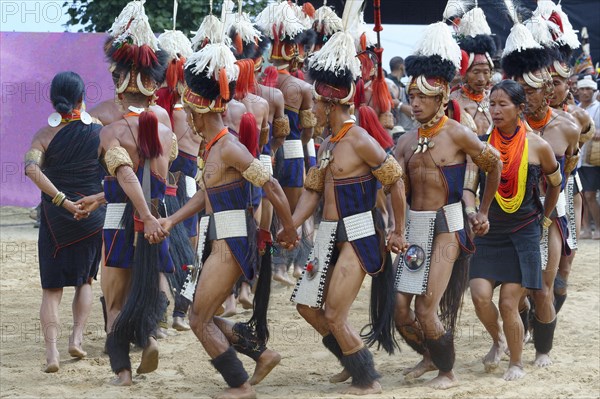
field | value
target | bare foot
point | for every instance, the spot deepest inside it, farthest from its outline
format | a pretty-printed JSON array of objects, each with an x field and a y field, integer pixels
[
  {"x": 180, "y": 324},
  {"x": 265, "y": 363},
  {"x": 230, "y": 306},
  {"x": 491, "y": 361},
  {"x": 161, "y": 333},
  {"x": 340, "y": 377},
  {"x": 374, "y": 389},
  {"x": 52, "y": 361},
  {"x": 283, "y": 278},
  {"x": 527, "y": 338},
  {"x": 514, "y": 372},
  {"x": 443, "y": 381},
  {"x": 424, "y": 366},
  {"x": 149, "y": 361},
  {"x": 244, "y": 392},
  {"x": 123, "y": 379},
  {"x": 585, "y": 235},
  {"x": 542, "y": 359},
  {"x": 245, "y": 301},
  {"x": 220, "y": 310},
  {"x": 297, "y": 272},
  {"x": 76, "y": 351}
]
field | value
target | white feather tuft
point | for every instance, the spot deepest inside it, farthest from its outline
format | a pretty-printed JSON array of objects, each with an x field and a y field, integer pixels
[
  {"x": 474, "y": 23},
  {"x": 457, "y": 8},
  {"x": 246, "y": 29},
  {"x": 569, "y": 36},
  {"x": 511, "y": 9},
  {"x": 337, "y": 54},
  {"x": 327, "y": 21},
  {"x": 545, "y": 8},
  {"x": 437, "y": 40},
  {"x": 540, "y": 30},
  {"x": 227, "y": 14},
  {"x": 281, "y": 17},
  {"x": 132, "y": 23},
  {"x": 519, "y": 39},
  {"x": 174, "y": 42},
  {"x": 210, "y": 59},
  {"x": 211, "y": 30}
]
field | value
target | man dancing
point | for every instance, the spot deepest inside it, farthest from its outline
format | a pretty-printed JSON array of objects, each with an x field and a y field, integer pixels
[
  {"x": 435, "y": 275},
  {"x": 351, "y": 241}
]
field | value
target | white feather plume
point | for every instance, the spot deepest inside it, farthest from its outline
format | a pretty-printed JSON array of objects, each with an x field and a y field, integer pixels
[
  {"x": 474, "y": 23},
  {"x": 512, "y": 11},
  {"x": 212, "y": 30},
  {"x": 437, "y": 40},
  {"x": 227, "y": 14},
  {"x": 174, "y": 42},
  {"x": 569, "y": 36},
  {"x": 457, "y": 8},
  {"x": 338, "y": 53},
  {"x": 133, "y": 23},
  {"x": 210, "y": 59},
  {"x": 281, "y": 17},
  {"x": 246, "y": 29},
  {"x": 327, "y": 21},
  {"x": 540, "y": 30},
  {"x": 545, "y": 8},
  {"x": 519, "y": 39}
]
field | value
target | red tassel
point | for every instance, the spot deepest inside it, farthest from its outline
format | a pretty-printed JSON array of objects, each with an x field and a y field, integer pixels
[
  {"x": 249, "y": 133},
  {"x": 464, "y": 62},
  {"x": 270, "y": 76},
  {"x": 150, "y": 146},
  {"x": 363, "y": 41},
  {"x": 455, "y": 110},
  {"x": 166, "y": 100},
  {"x": 555, "y": 17},
  {"x": 224, "y": 85},
  {"x": 382, "y": 99},
  {"x": 237, "y": 42},
  {"x": 245, "y": 78},
  {"x": 359, "y": 95},
  {"x": 299, "y": 74},
  {"x": 172, "y": 75},
  {"x": 370, "y": 122},
  {"x": 308, "y": 9},
  {"x": 146, "y": 57}
]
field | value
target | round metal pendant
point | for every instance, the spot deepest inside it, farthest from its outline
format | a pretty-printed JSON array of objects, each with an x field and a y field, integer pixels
[
  {"x": 312, "y": 268},
  {"x": 54, "y": 119},
  {"x": 414, "y": 257},
  {"x": 86, "y": 118}
]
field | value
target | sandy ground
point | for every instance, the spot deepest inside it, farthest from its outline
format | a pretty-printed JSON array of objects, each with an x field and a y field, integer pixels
[{"x": 185, "y": 370}]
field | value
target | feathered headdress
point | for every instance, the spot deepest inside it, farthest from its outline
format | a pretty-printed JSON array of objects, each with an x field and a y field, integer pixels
[
  {"x": 134, "y": 52},
  {"x": 434, "y": 63},
  {"x": 326, "y": 23},
  {"x": 280, "y": 23},
  {"x": 522, "y": 55},
  {"x": 583, "y": 63},
  {"x": 475, "y": 39},
  {"x": 211, "y": 30},
  {"x": 335, "y": 67},
  {"x": 178, "y": 48},
  {"x": 455, "y": 9},
  {"x": 247, "y": 41}
]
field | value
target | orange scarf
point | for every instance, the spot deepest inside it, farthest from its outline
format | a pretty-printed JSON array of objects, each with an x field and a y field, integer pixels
[
  {"x": 214, "y": 141},
  {"x": 539, "y": 125},
  {"x": 477, "y": 97},
  {"x": 74, "y": 115},
  {"x": 433, "y": 130},
  {"x": 342, "y": 132}
]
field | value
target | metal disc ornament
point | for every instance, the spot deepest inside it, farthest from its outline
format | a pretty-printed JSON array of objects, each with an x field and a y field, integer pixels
[
  {"x": 54, "y": 119},
  {"x": 312, "y": 268},
  {"x": 85, "y": 118},
  {"x": 414, "y": 257}
]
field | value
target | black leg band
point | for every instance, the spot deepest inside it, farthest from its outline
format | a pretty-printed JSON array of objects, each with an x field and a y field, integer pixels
[
  {"x": 442, "y": 351},
  {"x": 103, "y": 302},
  {"x": 559, "y": 301},
  {"x": 543, "y": 335},
  {"x": 231, "y": 368},
  {"x": 118, "y": 353},
  {"x": 247, "y": 342},
  {"x": 413, "y": 336},
  {"x": 361, "y": 367},
  {"x": 331, "y": 343}
]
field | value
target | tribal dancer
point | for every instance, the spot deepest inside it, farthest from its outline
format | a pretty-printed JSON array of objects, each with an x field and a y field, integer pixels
[
  {"x": 560, "y": 71},
  {"x": 434, "y": 273},
  {"x": 136, "y": 150},
  {"x": 279, "y": 22},
  {"x": 228, "y": 231},
  {"x": 63, "y": 163},
  {"x": 476, "y": 41},
  {"x": 183, "y": 170},
  {"x": 562, "y": 133},
  {"x": 352, "y": 165},
  {"x": 509, "y": 255}
]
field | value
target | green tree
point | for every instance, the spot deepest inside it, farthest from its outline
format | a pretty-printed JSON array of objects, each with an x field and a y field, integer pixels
[{"x": 99, "y": 15}]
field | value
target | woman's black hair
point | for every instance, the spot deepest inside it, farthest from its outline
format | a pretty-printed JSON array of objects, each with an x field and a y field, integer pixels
[
  {"x": 515, "y": 91},
  {"x": 66, "y": 90}
]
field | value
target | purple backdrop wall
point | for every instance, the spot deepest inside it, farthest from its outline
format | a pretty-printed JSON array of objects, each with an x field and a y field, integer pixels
[{"x": 28, "y": 62}]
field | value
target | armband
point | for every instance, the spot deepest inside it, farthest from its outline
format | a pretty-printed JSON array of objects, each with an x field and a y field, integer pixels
[
  {"x": 571, "y": 162},
  {"x": 174, "y": 149},
  {"x": 586, "y": 135},
  {"x": 308, "y": 119},
  {"x": 281, "y": 127},
  {"x": 471, "y": 181},
  {"x": 116, "y": 157},
  {"x": 199, "y": 179},
  {"x": 315, "y": 180},
  {"x": 34, "y": 157},
  {"x": 264, "y": 136},
  {"x": 546, "y": 222},
  {"x": 488, "y": 159},
  {"x": 256, "y": 174},
  {"x": 389, "y": 172},
  {"x": 555, "y": 178},
  {"x": 59, "y": 199},
  {"x": 467, "y": 121},
  {"x": 387, "y": 120}
]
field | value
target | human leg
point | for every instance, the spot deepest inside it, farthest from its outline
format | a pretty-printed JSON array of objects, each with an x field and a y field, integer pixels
[
  {"x": 510, "y": 295},
  {"x": 482, "y": 291},
  {"x": 82, "y": 304},
  {"x": 49, "y": 319}
]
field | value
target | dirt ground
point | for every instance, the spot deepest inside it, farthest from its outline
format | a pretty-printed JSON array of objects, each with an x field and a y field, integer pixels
[{"x": 185, "y": 371}]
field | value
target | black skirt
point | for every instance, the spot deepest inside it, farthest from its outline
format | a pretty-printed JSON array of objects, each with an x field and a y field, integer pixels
[
  {"x": 509, "y": 258},
  {"x": 71, "y": 266}
]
